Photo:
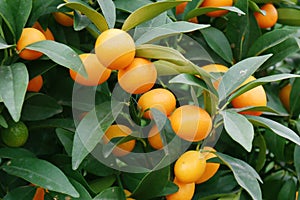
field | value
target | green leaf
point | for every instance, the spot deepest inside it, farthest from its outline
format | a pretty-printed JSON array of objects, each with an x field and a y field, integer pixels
[
  {"x": 37, "y": 171},
  {"x": 148, "y": 12},
  {"x": 53, "y": 123},
  {"x": 218, "y": 42},
  {"x": 238, "y": 73},
  {"x": 261, "y": 81},
  {"x": 21, "y": 193},
  {"x": 143, "y": 188},
  {"x": 66, "y": 138},
  {"x": 297, "y": 160},
  {"x": 12, "y": 153},
  {"x": 289, "y": 16},
  {"x": 203, "y": 10},
  {"x": 93, "y": 166},
  {"x": 83, "y": 193},
  {"x": 288, "y": 190},
  {"x": 60, "y": 53},
  {"x": 40, "y": 106},
  {"x": 3, "y": 44},
  {"x": 13, "y": 86},
  {"x": 241, "y": 31},
  {"x": 188, "y": 79},
  {"x": 259, "y": 158},
  {"x": 168, "y": 30},
  {"x": 238, "y": 128},
  {"x": 276, "y": 127},
  {"x": 93, "y": 15},
  {"x": 109, "y": 11},
  {"x": 15, "y": 14},
  {"x": 40, "y": 8},
  {"x": 244, "y": 174},
  {"x": 275, "y": 144},
  {"x": 295, "y": 98},
  {"x": 110, "y": 194},
  {"x": 3, "y": 122},
  {"x": 129, "y": 7},
  {"x": 98, "y": 185},
  {"x": 269, "y": 40},
  {"x": 281, "y": 51},
  {"x": 91, "y": 129}
]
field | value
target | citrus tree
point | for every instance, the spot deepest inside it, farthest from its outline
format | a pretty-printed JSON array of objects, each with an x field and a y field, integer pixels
[{"x": 173, "y": 99}]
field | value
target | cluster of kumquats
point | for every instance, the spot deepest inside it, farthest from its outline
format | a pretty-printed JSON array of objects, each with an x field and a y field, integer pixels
[{"x": 189, "y": 122}]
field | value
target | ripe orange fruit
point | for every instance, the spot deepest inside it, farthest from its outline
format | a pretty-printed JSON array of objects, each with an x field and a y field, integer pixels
[
  {"x": 138, "y": 77},
  {"x": 214, "y": 3},
  {"x": 115, "y": 48},
  {"x": 180, "y": 9},
  {"x": 284, "y": 96},
  {"x": 190, "y": 166},
  {"x": 215, "y": 68},
  {"x": 160, "y": 99},
  {"x": 154, "y": 138},
  {"x": 63, "y": 18},
  {"x": 268, "y": 20},
  {"x": 29, "y": 36},
  {"x": 39, "y": 194},
  {"x": 96, "y": 72},
  {"x": 211, "y": 168},
  {"x": 185, "y": 191},
  {"x": 296, "y": 195},
  {"x": 35, "y": 84},
  {"x": 118, "y": 130},
  {"x": 191, "y": 123},
  {"x": 254, "y": 97},
  {"x": 15, "y": 135},
  {"x": 127, "y": 195},
  {"x": 47, "y": 33}
]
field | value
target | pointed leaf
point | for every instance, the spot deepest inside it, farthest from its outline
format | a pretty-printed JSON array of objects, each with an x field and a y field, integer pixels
[
  {"x": 66, "y": 138},
  {"x": 268, "y": 40},
  {"x": 13, "y": 86},
  {"x": 109, "y": 11},
  {"x": 92, "y": 14},
  {"x": 168, "y": 30},
  {"x": 239, "y": 73},
  {"x": 39, "y": 107},
  {"x": 244, "y": 174},
  {"x": 21, "y": 193},
  {"x": 148, "y": 12},
  {"x": 59, "y": 53},
  {"x": 276, "y": 127},
  {"x": 15, "y": 14},
  {"x": 261, "y": 81},
  {"x": 37, "y": 171},
  {"x": 238, "y": 128},
  {"x": 3, "y": 44},
  {"x": 203, "y": 10},
  {"x": 91, "y": 129},
  {"x": 218, "y": 42}
]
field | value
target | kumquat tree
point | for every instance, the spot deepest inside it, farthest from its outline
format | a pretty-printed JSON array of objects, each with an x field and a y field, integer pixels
[{"x": 149, "y": 99}]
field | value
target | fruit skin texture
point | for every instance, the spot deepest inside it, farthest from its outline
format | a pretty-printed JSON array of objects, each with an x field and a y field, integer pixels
[
  {"x": 115, "y": 48},
  {"x": 284, "y": 95},
  {"x": 254, "y": 97},
  {"x": 119, "y": 131},
  {"x": 15, "y": 135},
  {"x": 29, "y": 36},
  {"x": 138, "y": 77},
  {"x": 268, "y": 20},
  {"x": 160, "y": 99},
  {"x": 154, "y": 138},
  {"x": 191, "y": 123},
  {"x": 35, "y": 84},
  {"x": 96, "y": 72},
  {"x": 127, "y": 194},
  {"x": 185, "y": 191},
  {"x": 39, "y": 194},
  {"x": 47, "y": 33},
  {"x": 218, "y": 3},
  {"x": 189, "y": 167},
  {"x": 63, "y": 19},
  {"x": 211, "y": 168}
]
